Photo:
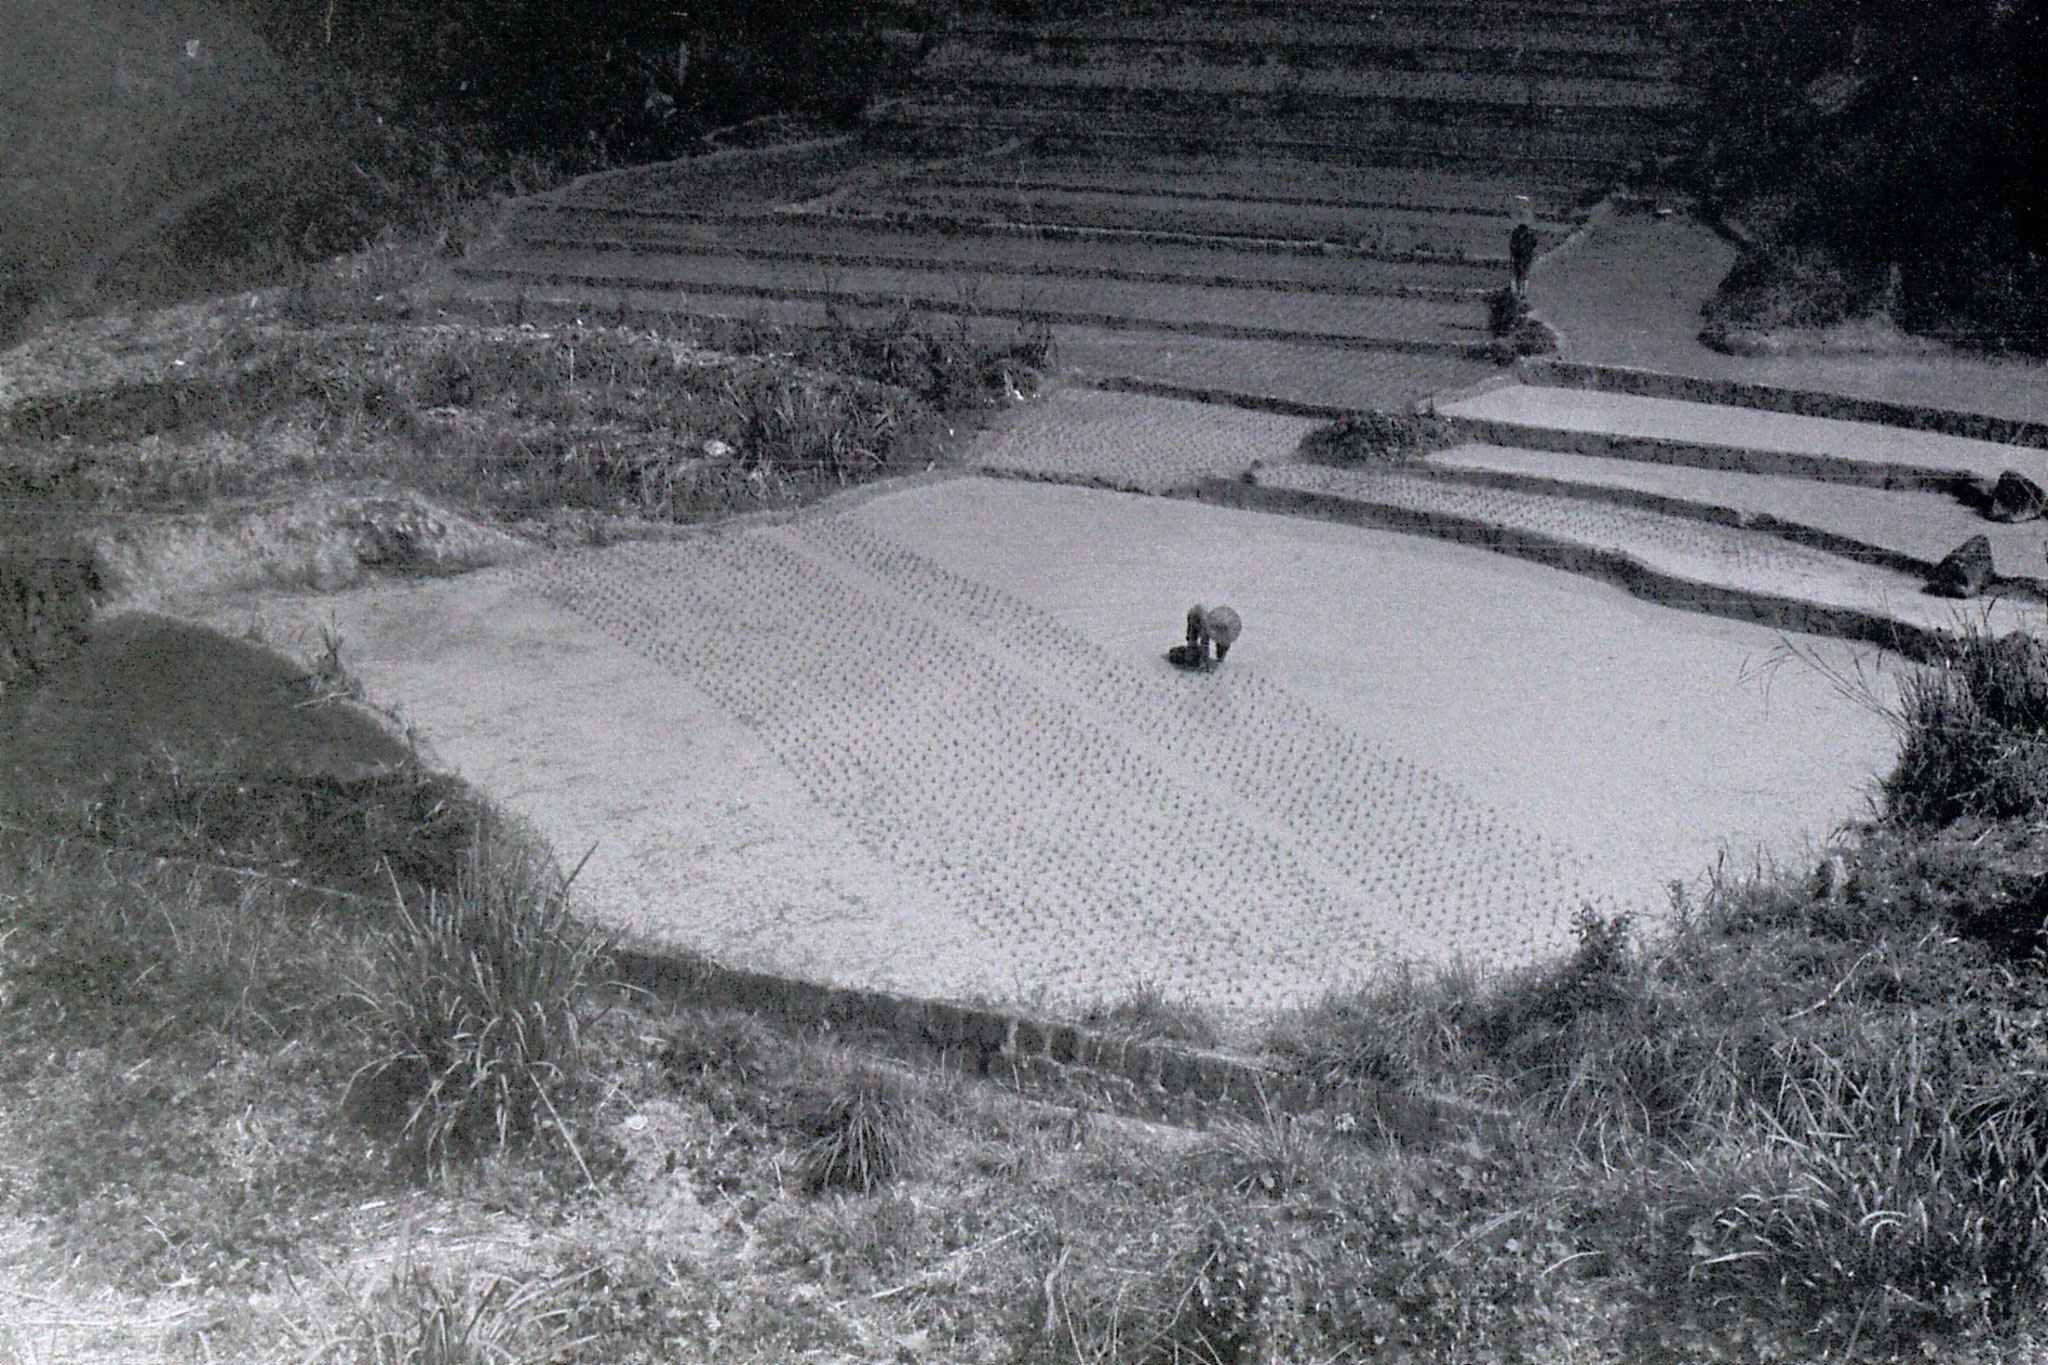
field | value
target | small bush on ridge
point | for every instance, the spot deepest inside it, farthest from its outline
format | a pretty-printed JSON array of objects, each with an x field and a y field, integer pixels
[
  {"x": 1376, "y": 438},
  {"x": 865, "y": 1129}
]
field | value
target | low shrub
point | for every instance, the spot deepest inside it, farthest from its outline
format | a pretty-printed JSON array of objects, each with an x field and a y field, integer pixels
[
  {"x": 109, "y": 953},
  {"x": 730, "y": 1047},
  {"x": 1598, "y": 976},
  {"x": 380, "y": 284},
  {"x": 1376, "y": 438},
  {"x": 948, "y": 367},
  {"x": 1986, "y": 881},
  {"x": 477, "y": 1010},
  {"x": 48, "y": 592},
  {"x": 522, "y": 423},
  {"x": 1791, "y": 289},
  {"x": 1516, "y": 329}
]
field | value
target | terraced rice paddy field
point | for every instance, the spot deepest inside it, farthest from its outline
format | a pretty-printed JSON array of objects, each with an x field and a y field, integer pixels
[
  {"x": 926, "y": 740},
  {"x": 1698, "y": 551}
]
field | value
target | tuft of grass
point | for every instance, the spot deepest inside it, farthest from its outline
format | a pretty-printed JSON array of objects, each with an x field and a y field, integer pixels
[
  {"x": 1373, "y": 1037},
  {"x": 422, "y": 1318},
  {"x": 1376, "y": 438},
  {"x": 1270, "y": 1157},
  {"x": 864, "y": 1128},
  {"x": 731, "y": 1047},
  {"x": 1149, "y": 1015},
  {"x": 477, "y": 1008},
  {"x": 1975, "y": 734}
]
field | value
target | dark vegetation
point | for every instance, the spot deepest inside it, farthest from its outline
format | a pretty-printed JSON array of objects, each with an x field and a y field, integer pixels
[
  {"x": 1888, "y": 154},
  {"x": 1376, "y": 438},
  {"x": 629, "y": 80},
  {"x": 255, "y": 136},
  {"x": 1810, "y": 1120},
  {"x": 49, "y": 586},
  {"x": 171, "y": 739},
  {"x": 1516, "y": 329}
]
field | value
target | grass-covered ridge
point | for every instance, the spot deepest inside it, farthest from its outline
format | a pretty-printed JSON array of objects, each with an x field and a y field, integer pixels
[{"x": 296, "y": 439}]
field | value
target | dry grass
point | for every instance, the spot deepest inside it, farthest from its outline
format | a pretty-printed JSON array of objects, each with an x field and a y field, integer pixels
[
  {"x": 1149, "y": 1014},
  {"x": 508, "y": 424},
  {"x": 421, "y": 1317},
  {"x": 1975, "y": 731},
  {"x": 866, "y": 1130}
]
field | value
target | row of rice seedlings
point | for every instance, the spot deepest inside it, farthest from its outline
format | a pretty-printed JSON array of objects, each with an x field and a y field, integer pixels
[
  {"x": 1053, "y": 876},
  {"x": 1001, "y": 724},
  {"x": 1132, "y": 461},
  {"x": 1350, "y": 801},
  {"x": 1337, "y": 223},
  {"x": 1277, "y": 766}
]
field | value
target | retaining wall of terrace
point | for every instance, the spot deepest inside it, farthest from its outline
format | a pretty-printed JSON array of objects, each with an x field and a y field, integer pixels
[
  {"x": 1154, "y": 1079},
  {"x": 1029, "y": 1053}
]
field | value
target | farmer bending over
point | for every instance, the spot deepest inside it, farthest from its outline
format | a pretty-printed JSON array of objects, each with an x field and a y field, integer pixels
[{"x": 1208, "y": 627}]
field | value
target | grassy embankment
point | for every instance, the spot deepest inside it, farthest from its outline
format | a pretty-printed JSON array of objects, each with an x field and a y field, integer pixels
[{"x": 319, "y": 432}]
